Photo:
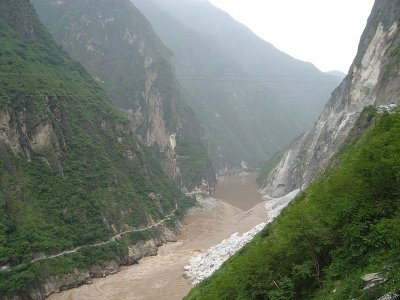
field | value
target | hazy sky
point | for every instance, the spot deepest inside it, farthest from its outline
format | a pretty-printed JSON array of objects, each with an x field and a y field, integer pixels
[{"x": 324, "y": 32}]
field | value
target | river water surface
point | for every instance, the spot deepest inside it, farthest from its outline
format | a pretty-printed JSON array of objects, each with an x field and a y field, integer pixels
[{"x": 238, "y": 209}]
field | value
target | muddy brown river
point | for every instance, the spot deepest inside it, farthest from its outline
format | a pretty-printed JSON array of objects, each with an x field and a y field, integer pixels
[
  {"x": 239, "y": 191},
  {"x": 238, "y": 209}
]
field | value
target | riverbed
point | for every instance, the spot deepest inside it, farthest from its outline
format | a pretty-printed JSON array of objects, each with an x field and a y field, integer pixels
[{"x": 238, "y": 209}]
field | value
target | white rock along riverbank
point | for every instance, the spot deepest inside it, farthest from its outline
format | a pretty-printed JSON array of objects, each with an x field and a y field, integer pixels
[{"x": 204, "y": 265}]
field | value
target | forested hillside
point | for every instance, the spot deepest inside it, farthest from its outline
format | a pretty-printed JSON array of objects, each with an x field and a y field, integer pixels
[
  {"x": 72, "y": 174},
  {"x": 344, "y": 226},
  {"x": 120, "y": 49}
]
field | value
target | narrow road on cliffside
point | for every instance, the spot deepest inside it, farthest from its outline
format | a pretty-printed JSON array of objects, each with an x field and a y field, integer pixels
[{"x": 111, "y": 239}]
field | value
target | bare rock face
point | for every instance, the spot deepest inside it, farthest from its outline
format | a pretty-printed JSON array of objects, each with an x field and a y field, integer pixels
[
  {"x": 373, "y": 79},
  {"x": 23, "y": 134},
  {"x": 138, "y": 251}
]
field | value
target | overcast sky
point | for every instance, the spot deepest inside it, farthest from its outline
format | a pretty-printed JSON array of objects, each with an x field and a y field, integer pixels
[{"x": 324, "y": 32}]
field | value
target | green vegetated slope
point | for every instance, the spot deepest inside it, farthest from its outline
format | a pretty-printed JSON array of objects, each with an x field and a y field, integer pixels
[
  {"x": 71, "y": 172},
  {"x": 120, "y": 49},
  {"x": 251, "y": 98},
  {"x": 345, "y": 225}
]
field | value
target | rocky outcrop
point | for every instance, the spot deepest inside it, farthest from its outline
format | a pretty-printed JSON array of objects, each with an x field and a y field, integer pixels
[
  {"x": 25, "y": 134},
  {"x": 373, "y": 79},
  {"x": 372, "y": 280},
  {"x": 389, "y": 296},
  {"x": 153, "y": 119}
]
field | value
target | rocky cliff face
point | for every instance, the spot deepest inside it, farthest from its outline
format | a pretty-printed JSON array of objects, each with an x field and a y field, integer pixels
[
  {"x": 118, "y": 46},
  {"x": 373, "y": 79}
]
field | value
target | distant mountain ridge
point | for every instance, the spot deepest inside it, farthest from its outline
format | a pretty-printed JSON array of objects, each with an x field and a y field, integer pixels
[
  {"x": 337, "y": 73},
  {"x": 251, "y": 98}
]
